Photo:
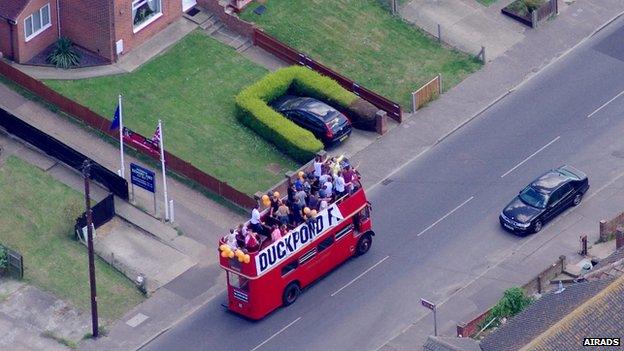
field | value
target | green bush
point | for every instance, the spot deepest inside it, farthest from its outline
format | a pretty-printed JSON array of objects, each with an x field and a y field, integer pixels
[
  {"x": 525, "y": 7},
  {"x": 3, "y": 258},
  {"x": 254, "y": 112},
  {"x": 513, "y": 302},
  {"x": 63, "y": 55}
]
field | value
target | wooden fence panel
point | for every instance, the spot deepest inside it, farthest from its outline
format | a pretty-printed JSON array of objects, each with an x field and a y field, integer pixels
[{"x": 430, "y": 91}]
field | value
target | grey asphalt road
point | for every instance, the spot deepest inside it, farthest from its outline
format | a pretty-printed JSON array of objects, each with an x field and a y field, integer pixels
[{"x": 436, "y": 217}]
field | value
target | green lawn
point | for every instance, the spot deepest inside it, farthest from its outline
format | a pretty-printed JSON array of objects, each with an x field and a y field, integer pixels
[
  {"x": 191, "y": 88},
  {"x": 363, "y": 41},
  {"x": 486, "y": 2},
  {"x": 37, "y": 215}
]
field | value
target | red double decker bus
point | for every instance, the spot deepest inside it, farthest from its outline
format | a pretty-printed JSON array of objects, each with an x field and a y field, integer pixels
[{"x": 275, "y": 275}]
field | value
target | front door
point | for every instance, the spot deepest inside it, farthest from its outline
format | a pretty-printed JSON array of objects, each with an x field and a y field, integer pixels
[{"x": 187, "y": 4}]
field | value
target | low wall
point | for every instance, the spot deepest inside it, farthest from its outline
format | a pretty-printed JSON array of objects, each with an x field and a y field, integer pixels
[
  {"x": 232, "y": 22},
  {"x": 535, "y": 285},
  {"x": 607, "y": 228}
]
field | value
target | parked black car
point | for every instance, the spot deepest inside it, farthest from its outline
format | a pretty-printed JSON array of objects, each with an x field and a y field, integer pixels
[
  {"x": 543, "y": 199},
  {"x": 325, "y": 122}
]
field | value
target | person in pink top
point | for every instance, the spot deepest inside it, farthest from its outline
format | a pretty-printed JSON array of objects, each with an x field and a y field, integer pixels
[
  {"x": 252, "y": 244},
  {"x": 276, "y": 233}
]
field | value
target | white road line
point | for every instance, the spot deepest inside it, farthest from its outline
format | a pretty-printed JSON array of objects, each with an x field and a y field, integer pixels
[
  {"x": 446, "y": 215},
  {"x": 359, "y": 276},
  {"x": 276, "y": 334},
  {"x": 528, "y": 158},
  {"x": 605, "y": 104}
]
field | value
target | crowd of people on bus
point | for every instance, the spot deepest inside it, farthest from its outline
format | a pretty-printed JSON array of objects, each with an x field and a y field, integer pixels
[{"x": 309, "y": 194}]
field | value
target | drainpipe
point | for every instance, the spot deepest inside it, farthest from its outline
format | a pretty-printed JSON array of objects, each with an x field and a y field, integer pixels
[
  {"x": 11, "y": 25},
  {"x": 58, "y": 17}
]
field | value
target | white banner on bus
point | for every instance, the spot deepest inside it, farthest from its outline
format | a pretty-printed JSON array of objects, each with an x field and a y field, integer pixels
[{"x": 297, "y": 238}]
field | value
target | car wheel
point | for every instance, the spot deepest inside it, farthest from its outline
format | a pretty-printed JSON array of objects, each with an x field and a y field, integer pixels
[
  {"x": 577, "y": 199},
  {"x": 537, "y": 226},
  {"x": 291, "y": 293},
  {"x": 364, "y": 244}
]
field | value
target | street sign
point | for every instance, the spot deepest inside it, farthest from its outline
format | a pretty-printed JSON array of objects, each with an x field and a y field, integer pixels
[
  {"x": 429, "y": 305},
  {"x": 143, "y": 177}
]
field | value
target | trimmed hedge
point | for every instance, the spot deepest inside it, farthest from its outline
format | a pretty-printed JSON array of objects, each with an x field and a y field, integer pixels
[{"x": 254, "y": 111}]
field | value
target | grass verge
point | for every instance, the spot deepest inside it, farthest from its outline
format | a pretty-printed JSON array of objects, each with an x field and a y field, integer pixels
[
  {"x": 363, "y": 41},
  {"x": 37, "y": 214},
  {"x": 191, "y": 88}
]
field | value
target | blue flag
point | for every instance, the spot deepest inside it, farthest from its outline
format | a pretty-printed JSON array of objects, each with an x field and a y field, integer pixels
[{"x": 115, "y": 123}]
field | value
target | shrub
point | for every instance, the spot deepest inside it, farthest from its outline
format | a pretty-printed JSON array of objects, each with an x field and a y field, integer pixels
[
  {"x": 63, "y": 55},
  {"x": 3, "y": 258},
  {"x": 513, "y": 302},
  {"x": 525, "y": 7},
  {"x": 254, "y": 112}
]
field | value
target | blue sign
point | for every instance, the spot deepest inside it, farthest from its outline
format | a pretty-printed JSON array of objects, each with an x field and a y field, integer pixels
[{"x": 143, "y": 177}]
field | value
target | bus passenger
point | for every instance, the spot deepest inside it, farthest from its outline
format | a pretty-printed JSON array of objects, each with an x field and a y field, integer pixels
[
  {"x": 252, "y": 243},
  {"x": 240, "y": 235},
  {"x": 254, "y": 222},
  {"x": 282, "y": 213},
  {"x": 323, "y": 205},
  {"x": 339, "y": 185},
  {"x": 318, "y": 166},
  {"x": 283, "y": 230},
  {"x": 276, "y": 234},
  {"x": 313, "y": 200},
  {"x": 275, "y": 200},
  {"x": 230, "y": 240}
]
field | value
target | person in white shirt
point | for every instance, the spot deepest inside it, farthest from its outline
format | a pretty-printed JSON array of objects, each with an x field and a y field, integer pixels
[
  {"x": 318, "y": 166},
  {"x": 230, "y": 240},
  {"x": 329, "y": 187},
  {"x": 339, "y": 185},
  {"x": 254, "y": 222}
]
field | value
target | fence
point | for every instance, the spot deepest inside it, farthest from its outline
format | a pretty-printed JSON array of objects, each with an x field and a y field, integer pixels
[
  {"x": 427, "y": 92},
  {"x": 15, "y": 263},
  {"x": 63, "y": 153},
  {"x": 536, "y": 284},
  {"x": 102, "y": 212},
  {"x": 101, "y": 124},
  {"x": 608, "y": 228},
  {"x": 290, "y": 55}
]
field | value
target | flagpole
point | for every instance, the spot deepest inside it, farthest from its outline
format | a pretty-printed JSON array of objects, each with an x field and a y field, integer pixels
[
  {"x": 121, "y": 145},
  {"x": 162, "y": 162}
]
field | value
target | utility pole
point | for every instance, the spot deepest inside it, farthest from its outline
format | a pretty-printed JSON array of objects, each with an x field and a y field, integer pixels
[{"x": 86, "y": 169}]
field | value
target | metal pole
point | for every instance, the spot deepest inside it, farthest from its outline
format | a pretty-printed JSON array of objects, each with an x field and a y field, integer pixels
[
  {"x": 86, "y": 169},
  {"x": 435, "y": 321},
  {"x": 155, "y": 208},
  {"x": 162, "y": 163},
  {"x": 439, "y": 33},
  {"x": 414, "y": 102},
  {"x": 121, "y": 152}
]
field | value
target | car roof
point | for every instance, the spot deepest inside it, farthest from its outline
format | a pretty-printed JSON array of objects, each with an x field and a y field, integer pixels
[
  {"x": 308, "y": 104},
  {"x": 549, "y": 181}
]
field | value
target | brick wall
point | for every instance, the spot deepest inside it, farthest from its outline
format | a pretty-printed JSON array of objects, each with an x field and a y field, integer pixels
[
  {"x": 25, "y": 50},
  {"x": 608, "y": 228},
  {"x": 88, "y": 23},
  {"x": 124, "y": 23},
  {"x": 5, "y": 39},
  {"x": 232, "y": 22}
]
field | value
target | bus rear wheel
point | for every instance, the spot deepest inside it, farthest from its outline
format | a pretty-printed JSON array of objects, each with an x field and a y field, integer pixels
[
  {"x": 291, "y": 293},
  {"x": 364, "y": 244}
]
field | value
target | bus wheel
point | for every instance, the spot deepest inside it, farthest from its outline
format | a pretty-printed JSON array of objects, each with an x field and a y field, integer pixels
[
  {"x": 291, "y": 293},
  {"x": 364, "y": 244}
]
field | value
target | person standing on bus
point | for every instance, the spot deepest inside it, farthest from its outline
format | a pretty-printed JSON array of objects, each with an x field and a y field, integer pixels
[
  {"x": 318, "y": 166},
  {"x": 339, "y": 185},
  {"x": 282, "y": 213},
  {"x": 313, "y": 200},
  {"x": 276, "y": 234},
  {"x": 254, "y": 222}
]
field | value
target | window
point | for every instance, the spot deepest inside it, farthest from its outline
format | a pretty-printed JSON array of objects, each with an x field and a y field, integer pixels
[
  {"x": 290, "y": 267},
  {"x": 325, "y": 244},
  {"x": 144, "y": 12},
  {"x": 37, "y": 22},
  {"x": 238, "y": 281}
]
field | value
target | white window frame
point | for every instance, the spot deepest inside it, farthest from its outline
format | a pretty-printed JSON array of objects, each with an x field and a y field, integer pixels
[
  {"x": 138, "y": 3},
  {"x": 43, "y": 26}
]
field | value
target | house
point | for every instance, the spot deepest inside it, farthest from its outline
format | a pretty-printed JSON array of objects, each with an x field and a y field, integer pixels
[
  {"x": 106, "y": 28},
  {"x": 561, "y": 319}
]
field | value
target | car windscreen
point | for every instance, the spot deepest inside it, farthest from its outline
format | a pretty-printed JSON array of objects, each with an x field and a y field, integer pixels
[{"x": 533, "y": 197}]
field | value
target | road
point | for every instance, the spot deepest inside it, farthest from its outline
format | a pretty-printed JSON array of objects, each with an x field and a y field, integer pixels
[{"x": 436, "y": 217}]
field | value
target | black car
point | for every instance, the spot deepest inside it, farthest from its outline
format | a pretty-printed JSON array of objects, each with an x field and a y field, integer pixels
[
  {"x": 324, "y": 121},
  {"x": 543, "y": 199}
]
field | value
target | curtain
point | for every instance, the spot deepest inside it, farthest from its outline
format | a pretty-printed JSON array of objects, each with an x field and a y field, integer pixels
[{"x": 153, "y": 5}]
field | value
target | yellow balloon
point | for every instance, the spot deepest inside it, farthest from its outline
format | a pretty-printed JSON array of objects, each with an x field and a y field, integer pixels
[
  {"x": 239, "y": 253},
  {"x": 241, "y": 259},
  {"x": 313, "y": 213},
  {"x": 247, "y": 258},
  {"x": 265, "y": 197},
  {"x": 306, "y": 210},
  {"x": 223, "y": 247},
  {"x": 224, "y": 254},
  {"x": 266, "y": 203},
  {"x": 230, "y": 254}
]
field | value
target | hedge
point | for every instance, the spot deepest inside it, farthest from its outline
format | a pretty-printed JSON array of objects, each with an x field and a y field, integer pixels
[{"x": 254, "y": 112}]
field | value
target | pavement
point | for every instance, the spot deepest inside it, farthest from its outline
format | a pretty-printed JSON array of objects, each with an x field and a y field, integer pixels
[
  {"x": 467, "y": 24},
  {"x": 180, "y": 311},
  {"x": 31, "y": 319}
]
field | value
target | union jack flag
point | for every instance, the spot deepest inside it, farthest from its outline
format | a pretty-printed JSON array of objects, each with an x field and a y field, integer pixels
[{"x": 156, "y": 136}]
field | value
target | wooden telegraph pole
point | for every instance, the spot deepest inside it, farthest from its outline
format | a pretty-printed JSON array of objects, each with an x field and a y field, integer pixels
[{"x": 86, "y": 170}]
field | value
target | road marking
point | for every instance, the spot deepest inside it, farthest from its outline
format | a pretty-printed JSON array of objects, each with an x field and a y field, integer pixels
[
  {"x": 136, "y": 320},
  {"x": 446, "y": 215},
  {"x": 358, "y": 277},
  {"x": 276, "y": 334},
  {"x": 605, "y": 104},
  {"x": 528, "y": 158}
]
